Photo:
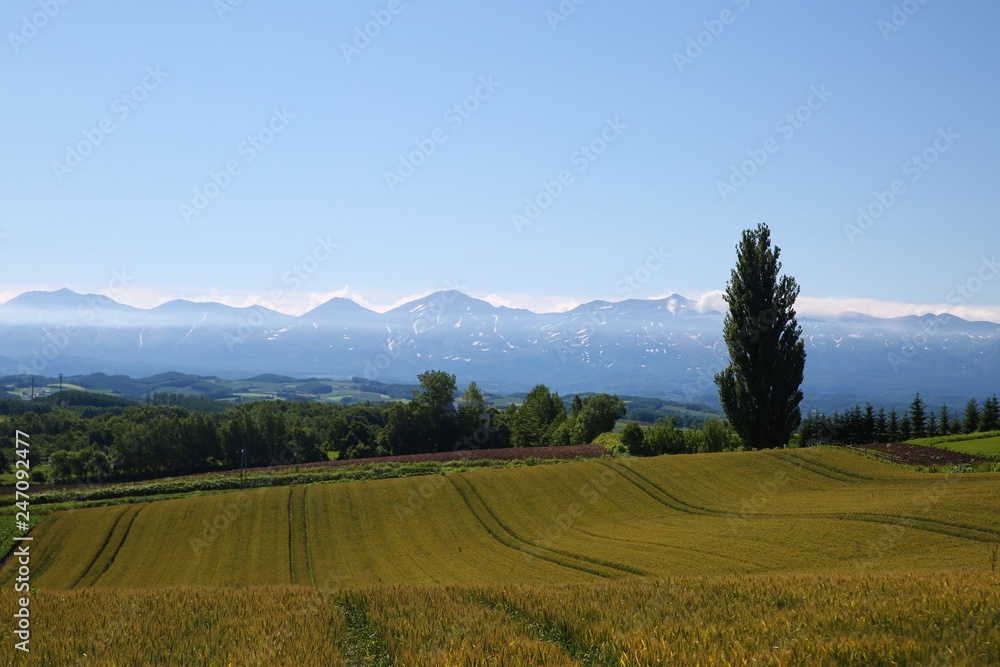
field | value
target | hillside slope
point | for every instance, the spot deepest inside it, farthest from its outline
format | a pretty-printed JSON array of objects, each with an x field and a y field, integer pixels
[{"x": 785, "y": 511}]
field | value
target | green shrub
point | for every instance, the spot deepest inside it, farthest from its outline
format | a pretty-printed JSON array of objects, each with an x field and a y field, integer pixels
[{"x": 612, "y": 442}]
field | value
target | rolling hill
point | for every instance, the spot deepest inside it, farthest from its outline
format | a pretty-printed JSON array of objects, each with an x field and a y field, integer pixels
[
  {"x": 799, "y": 557},
  {"x": 716, "y": 514}
]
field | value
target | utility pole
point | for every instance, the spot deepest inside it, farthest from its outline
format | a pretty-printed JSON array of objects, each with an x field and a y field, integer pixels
[
  {"x": 32, "y": 387},
  {"x": 243, "y": 467}
]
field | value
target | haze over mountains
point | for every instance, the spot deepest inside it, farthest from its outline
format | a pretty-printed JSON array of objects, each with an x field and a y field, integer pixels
[{"x": 664, "y": 347}]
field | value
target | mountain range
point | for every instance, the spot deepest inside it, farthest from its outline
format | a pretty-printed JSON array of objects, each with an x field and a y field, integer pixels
[{"x": 662, "y": 347}]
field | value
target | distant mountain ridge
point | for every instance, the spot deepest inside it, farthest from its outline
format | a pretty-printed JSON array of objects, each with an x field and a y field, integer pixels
[{"x": 662, "y": 347}]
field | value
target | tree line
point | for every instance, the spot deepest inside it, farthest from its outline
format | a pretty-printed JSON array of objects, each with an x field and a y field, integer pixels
[
  {"x": 172, "y": 436},
  {"x": 865, "y": 425}
]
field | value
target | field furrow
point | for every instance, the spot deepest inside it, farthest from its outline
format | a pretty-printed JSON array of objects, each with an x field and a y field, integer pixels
[
  {"x": 811, "y": 464},
  {"x": 114, "y": 544},
  {"x": 504, "y": 536},
  {"x": 575, "y": 522},
  {"x": 653, "y": 491},
  {"x": 73, "y": 541},
  {"x": 298, "y": 537},
  {"x": 305, "y": 533},
  {"x": 575, "y": 556}
]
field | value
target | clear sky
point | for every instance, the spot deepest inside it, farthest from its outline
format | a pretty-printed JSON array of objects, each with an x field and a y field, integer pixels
[{"x": 647, "y": 134}]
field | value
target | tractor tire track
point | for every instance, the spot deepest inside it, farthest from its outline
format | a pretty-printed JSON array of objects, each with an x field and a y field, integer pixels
[
  {"x": 90, "y": 575},
  {"x": 626, "y": 569},
  {"x": 501, "y": 535}
]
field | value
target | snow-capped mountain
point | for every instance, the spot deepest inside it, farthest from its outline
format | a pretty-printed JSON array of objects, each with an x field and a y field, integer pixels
[{"x": 664, "y": 347}]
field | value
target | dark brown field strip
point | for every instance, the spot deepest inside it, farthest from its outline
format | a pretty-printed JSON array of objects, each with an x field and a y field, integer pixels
[{"x": 497, "y": 531}]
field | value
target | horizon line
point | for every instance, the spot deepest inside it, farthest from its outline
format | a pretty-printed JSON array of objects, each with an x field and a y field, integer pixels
[{"x": 706, "y": 303}]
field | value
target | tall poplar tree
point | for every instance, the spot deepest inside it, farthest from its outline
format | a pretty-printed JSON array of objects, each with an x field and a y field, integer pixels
[{"x": 760, "y": 389}]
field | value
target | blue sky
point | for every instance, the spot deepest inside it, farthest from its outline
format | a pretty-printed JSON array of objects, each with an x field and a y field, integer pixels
[{"x": 621, "y": 122}]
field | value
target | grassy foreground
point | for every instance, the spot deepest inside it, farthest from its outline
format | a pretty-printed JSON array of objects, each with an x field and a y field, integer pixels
[{"x": 950, "y": 618}]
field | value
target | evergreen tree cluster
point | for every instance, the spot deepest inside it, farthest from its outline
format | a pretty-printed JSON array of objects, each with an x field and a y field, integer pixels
[{"x": 866, "y": 425}]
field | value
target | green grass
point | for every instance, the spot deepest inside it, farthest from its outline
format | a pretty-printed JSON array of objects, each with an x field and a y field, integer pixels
[
  {"x": 713, "y": 514},
  {"x": 981, "y": 444}
]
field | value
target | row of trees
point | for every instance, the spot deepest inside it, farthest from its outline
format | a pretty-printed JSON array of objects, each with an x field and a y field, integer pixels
[
  {"x": 432, "y": 421},
  {"x": 864, "y": 425},
  {"x": 664, "y": 437},
  {"x": 113, "y": 441}
]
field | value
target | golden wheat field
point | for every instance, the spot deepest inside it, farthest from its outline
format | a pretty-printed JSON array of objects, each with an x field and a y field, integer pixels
[
  {"x": 790, "y": 511},
  {"x": 791, "y": 557},
  {"x": 919, "y": 618}
]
